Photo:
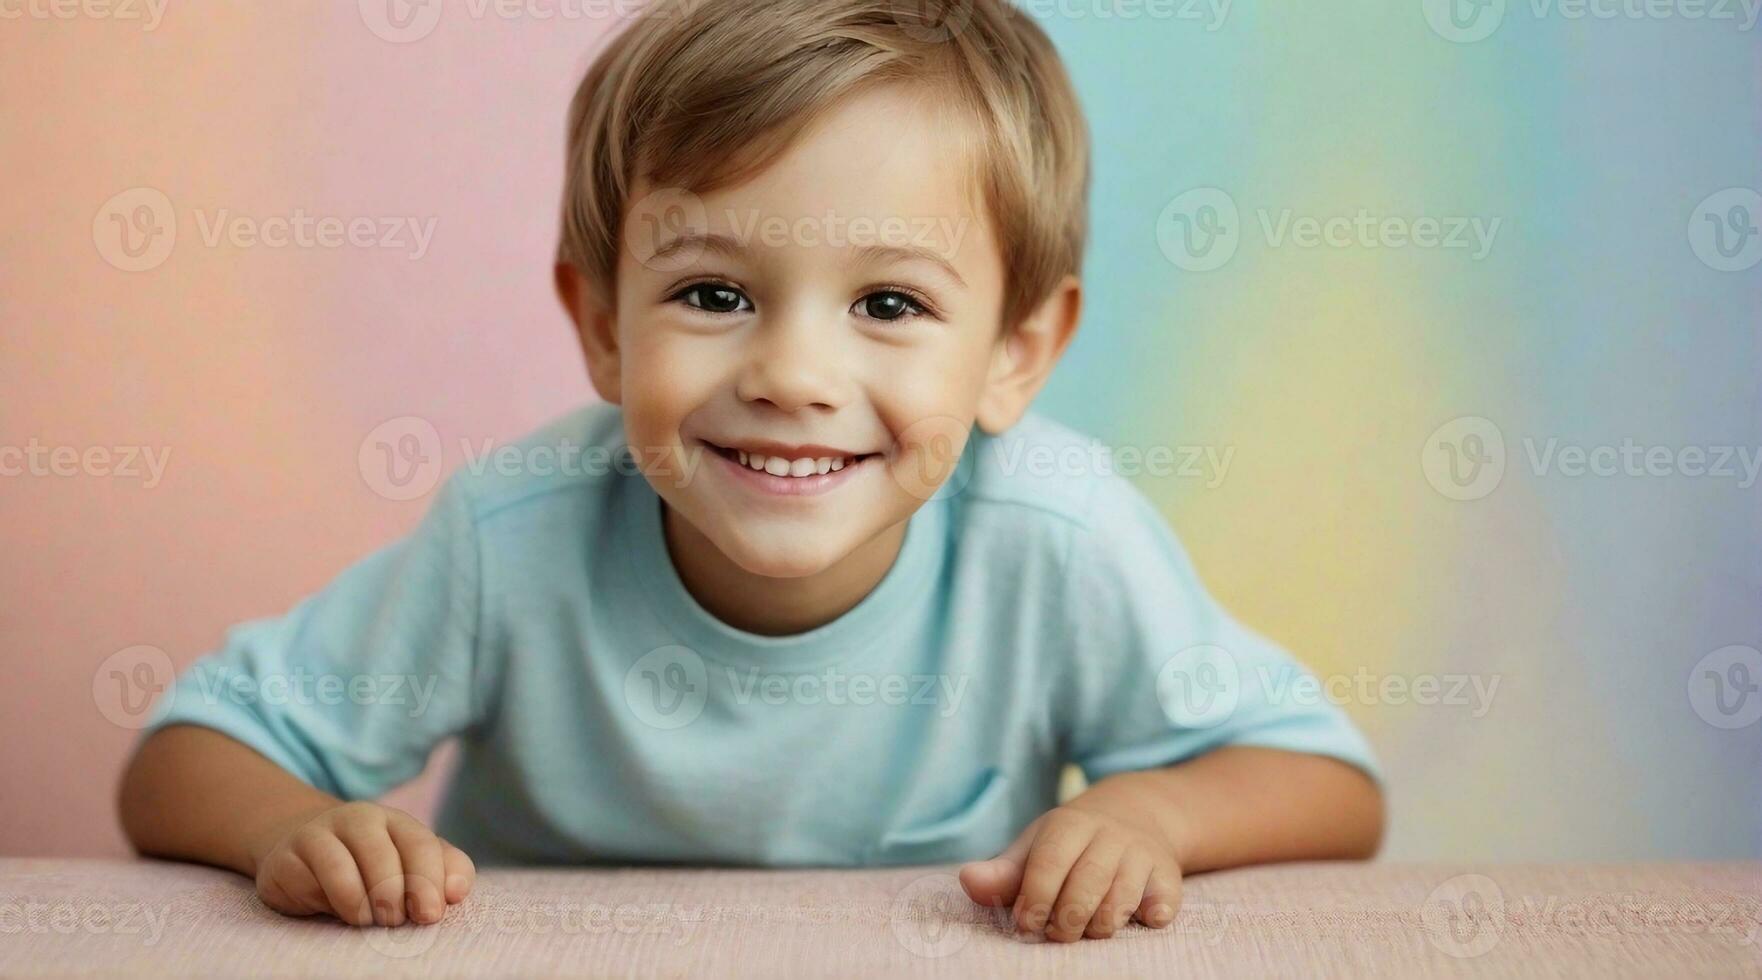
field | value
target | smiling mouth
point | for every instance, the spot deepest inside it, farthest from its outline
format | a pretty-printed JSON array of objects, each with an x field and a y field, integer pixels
[{"x": 798, "y": 465}]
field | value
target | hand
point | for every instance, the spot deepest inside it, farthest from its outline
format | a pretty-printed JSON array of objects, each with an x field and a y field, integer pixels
[
  {"x": 1080, "y": 871},
  {"x": 365, "y": 864}
]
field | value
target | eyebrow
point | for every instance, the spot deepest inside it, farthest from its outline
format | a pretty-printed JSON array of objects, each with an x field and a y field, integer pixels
[
  {"x": 730, "y": 246},
  {"x": 910, "y": 253}
]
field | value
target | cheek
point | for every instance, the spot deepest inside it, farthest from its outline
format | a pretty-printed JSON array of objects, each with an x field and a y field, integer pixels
[
  {"x": 929, "y": 415},
  {"x": 662, "y": 386},
  {"x": 928, "y": 401},
  {"x": 937, "y": 375},
  {"x": 663, "y": 380}
]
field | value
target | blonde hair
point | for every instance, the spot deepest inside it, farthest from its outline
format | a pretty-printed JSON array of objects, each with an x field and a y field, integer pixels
[{"x": 699, "y": 94}]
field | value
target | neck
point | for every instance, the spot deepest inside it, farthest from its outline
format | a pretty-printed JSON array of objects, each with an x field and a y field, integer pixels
[{"x": 776, "y": 606}]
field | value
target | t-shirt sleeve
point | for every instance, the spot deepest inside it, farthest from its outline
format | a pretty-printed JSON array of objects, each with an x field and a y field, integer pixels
[
  {"x": 1161, "y": 672},
  {"x": 353, "y": 688}
]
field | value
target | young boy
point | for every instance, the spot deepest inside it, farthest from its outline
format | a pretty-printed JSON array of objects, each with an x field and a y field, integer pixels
[{"x": 811, "y": 593}]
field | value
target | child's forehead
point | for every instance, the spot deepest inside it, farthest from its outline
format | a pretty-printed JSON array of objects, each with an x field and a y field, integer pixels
[
  {"x": 881, "y": 157},
  {"x": 884, "y": 149}
]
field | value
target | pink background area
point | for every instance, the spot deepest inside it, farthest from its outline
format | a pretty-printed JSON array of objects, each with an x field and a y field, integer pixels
[{"x": 261, "y": 370}]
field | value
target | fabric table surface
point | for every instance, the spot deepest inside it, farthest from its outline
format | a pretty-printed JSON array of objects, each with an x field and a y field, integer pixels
[{"x": 68, "y": 917}]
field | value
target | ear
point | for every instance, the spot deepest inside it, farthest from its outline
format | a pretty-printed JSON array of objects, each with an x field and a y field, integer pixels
[
  {"x": 597, "y": 327},
  {"x": 1026, "y": 355}
]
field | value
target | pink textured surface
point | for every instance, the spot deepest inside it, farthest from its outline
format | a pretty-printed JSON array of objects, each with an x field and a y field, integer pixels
[{"x": 139, "y": 918}]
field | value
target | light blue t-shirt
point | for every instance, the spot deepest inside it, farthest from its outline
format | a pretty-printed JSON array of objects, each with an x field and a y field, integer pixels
[{"x": 1040, "y": 612}]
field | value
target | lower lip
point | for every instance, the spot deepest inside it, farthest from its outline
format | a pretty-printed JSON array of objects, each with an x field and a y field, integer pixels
[{"x": 790, "y": 486}]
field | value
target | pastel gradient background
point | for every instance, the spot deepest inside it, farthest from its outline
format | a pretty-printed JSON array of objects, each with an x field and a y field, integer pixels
[{"x": 1324, "y": 371}]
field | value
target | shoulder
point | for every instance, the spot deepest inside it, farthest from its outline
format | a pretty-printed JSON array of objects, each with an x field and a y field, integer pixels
[
  {"x": 1043, "y": 474},
  {"x": 575, "y": 457}
]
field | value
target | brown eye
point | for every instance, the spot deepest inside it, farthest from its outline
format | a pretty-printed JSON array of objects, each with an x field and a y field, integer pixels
[
  {"x": 888, "y": 305},
  {"x": 712, "y": 298}
]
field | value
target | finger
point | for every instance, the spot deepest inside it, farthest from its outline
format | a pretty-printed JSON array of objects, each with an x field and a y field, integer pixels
[
  {"x": 273, "y": 896},
  {"x": 996, "y": 882},
  {"x": 382, "y": 870},
  {"x": 1122, "y": 898},
  {"x": 461, "y": 873},
  {"x": 337, "y": 875},
  {"x": 1055, "y": 848},
  {"x": 1162, "y": 899},
  {"x": 424, "y": 870},
  {"x": 1085, "y": 886},
  {"x": 299, "y": 884}
]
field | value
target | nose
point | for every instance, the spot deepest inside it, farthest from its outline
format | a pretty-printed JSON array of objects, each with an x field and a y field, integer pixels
[{"x": 792, "y": 364}]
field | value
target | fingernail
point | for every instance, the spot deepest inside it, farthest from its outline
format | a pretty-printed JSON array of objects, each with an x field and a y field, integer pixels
[{"x": 455, "y": 886}]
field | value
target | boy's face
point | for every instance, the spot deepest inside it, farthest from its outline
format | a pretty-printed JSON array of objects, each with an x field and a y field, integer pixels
[{"x": 837, "y": 317}]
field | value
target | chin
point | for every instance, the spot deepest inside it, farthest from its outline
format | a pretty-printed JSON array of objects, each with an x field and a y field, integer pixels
[
  {"x": 773, "y": 563},
  {"x": 779, "y": 559}
]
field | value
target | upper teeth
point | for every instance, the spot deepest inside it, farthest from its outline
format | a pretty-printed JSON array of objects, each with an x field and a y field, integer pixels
[{"x": 778, "y": 466}]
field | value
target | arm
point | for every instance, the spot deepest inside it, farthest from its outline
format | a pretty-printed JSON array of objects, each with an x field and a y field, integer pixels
[
  {"x": 252, "y": 753},
  {"x": 1203, "y": 746},
  {"x": 191, "y": 793},
  {"x": 1118, "y": 850},
  {"x": 1243, "y": 805}
]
